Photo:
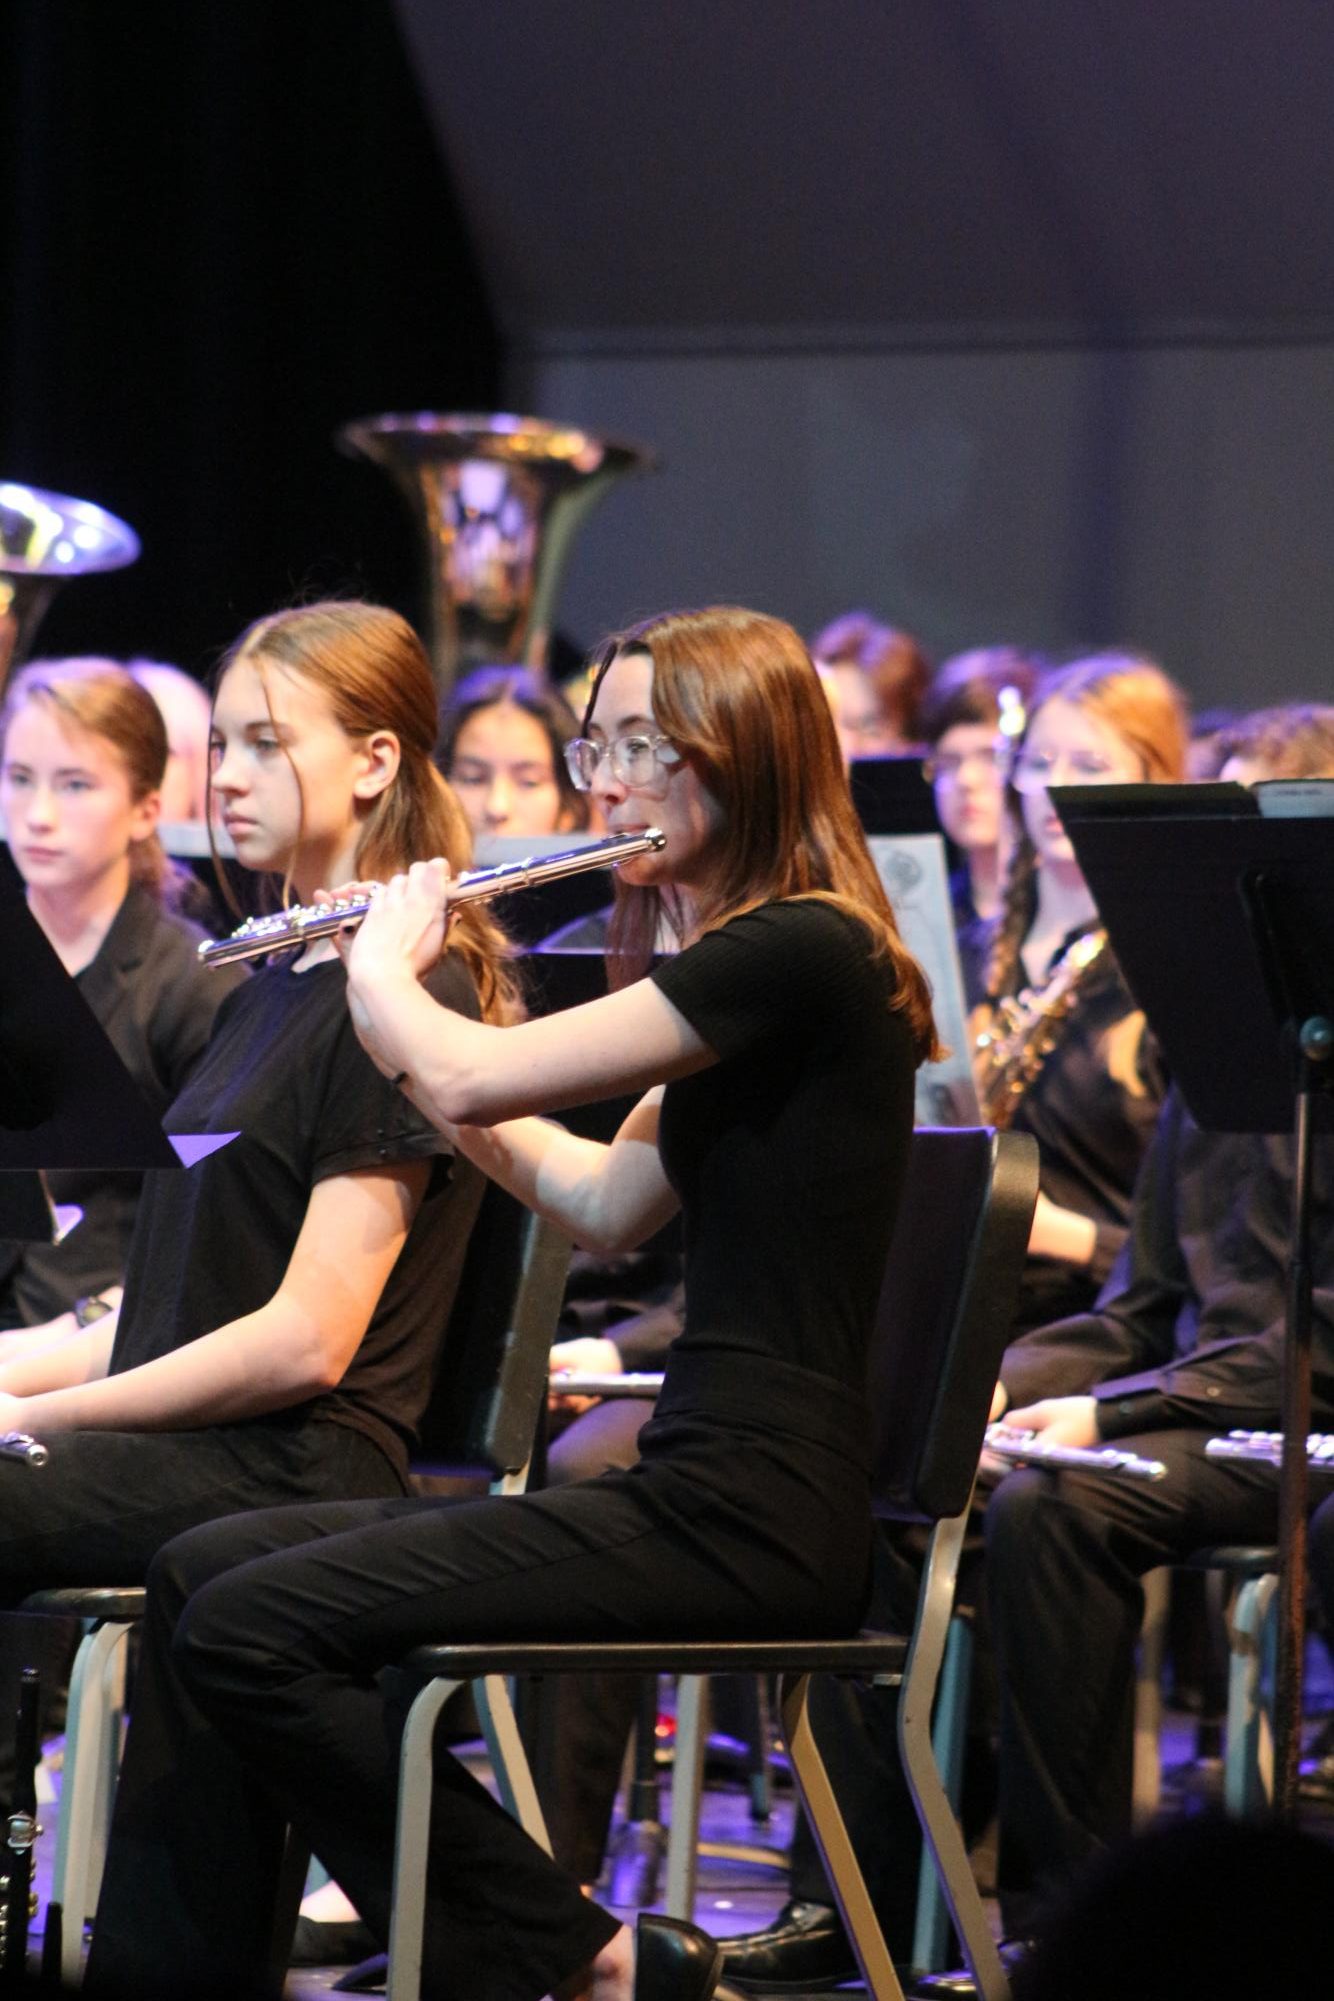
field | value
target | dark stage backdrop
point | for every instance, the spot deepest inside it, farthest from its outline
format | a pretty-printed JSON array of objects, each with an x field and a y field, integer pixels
[{"x": 226, "y": 228}]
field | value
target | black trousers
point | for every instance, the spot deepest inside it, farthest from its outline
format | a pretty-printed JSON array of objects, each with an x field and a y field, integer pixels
[
  {"x": 576, "y": 1726},
  {"x": 107, "y": 1501},
  {"x": 1065, "y": 1556},
  {"x": 260, "y": 1698}
]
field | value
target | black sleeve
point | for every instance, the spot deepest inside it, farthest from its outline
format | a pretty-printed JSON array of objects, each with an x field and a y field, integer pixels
[
  {"x": 365, "y": 1121},
  {"x": 1233, "y": 1372},
  {"x": 775, "y": 971},
  {"x": 643, "y": 1340},
  {"x": 1133, "y": 1324},
  {"x": 185, "y": 1008}
]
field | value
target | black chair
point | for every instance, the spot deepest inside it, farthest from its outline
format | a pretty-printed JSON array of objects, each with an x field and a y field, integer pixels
[
  {"x": 488, "y": 1387},
  {"x": 941, "y": 1328}
]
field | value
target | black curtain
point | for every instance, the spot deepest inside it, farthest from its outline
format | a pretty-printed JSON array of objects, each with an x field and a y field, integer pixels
[{"x": 227, "y": 228}]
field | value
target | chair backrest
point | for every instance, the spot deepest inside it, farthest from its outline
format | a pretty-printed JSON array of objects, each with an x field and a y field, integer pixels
[
  {"x": 490, "y": 1376},
  {"x": 951, "y": 1281}
]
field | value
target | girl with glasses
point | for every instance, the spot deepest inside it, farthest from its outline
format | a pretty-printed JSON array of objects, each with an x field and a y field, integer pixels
[
  {"x": 1063, "y": 1052},
  {"x": 774, "y": 1055},
  {"x": 974, "y": 709}
]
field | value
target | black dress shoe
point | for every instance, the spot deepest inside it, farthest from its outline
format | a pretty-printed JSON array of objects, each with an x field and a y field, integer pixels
[
  {"x": 804, "y": 1949},
  {"x": 675, "y": 1961}
]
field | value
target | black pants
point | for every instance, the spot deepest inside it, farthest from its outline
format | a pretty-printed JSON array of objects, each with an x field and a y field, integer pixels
[
  {"x": 1065, "y": 1556},
  {"x": 259, "y": 1698},
  {"x": 576, "y": 1726},
  {"x": 107, "y": 1501}
]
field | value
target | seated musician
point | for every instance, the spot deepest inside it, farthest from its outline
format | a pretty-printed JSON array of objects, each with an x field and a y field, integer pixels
[
  {"x": 83, "y": 779},
  {"x": 1201, "y": 1277},
  {"x": 1186, "y": 1341},
  {"x": 974, "y": 707},
  {"x": 283, "y": 1296}
]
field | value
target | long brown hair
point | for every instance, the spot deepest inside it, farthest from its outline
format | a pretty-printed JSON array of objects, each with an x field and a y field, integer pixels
[
  {"x": 103, "y": 699},
  {"x": 1133, "y": 697},
  {"x": 372, "y": 670},
  {"x": 738, "y": 695}
]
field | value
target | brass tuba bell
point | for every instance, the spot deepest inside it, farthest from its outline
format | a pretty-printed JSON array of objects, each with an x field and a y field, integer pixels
[
  {"x": 498, "y": 500},
  {"x": 46, "y": 538}
]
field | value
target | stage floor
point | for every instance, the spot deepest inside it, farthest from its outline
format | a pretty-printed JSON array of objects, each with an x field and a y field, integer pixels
[{"x": 735, "y": 1896}]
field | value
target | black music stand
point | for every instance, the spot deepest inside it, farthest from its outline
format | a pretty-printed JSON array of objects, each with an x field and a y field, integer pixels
[
  {"x": 1223, "y": 923},
  {"x": 66, "y": 1099},
  {"x": 893, "y": 795}
]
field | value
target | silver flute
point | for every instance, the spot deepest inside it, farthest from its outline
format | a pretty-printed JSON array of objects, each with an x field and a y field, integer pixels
[
  {"x": 305, "y": 921},
  {"x": 1026, "y": 1448},
  {"x": 22, "y": 1445}
]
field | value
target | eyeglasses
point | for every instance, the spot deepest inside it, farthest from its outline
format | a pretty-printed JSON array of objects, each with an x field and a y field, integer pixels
[
  {"x": 949, "y": 764},
  {"x": 1033, "y": 771},
  {"x": 635, "y": 760}
]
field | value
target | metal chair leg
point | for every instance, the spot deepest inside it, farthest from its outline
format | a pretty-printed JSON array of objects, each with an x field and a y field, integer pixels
[
  {"x": 509, "y": 1760},
  {"x": 931, "y": 1928},
  {"x": 692, "y": 1729},
  {"x": 1148, "y": 1771},
  {"x": 831, "y": 1836},
  {"x": 92, "y": 1754},
  {"x": 407, "y": 1921},
  {"x": 1248, "y": 1769},
  {"x": 943, "y": 1835}
]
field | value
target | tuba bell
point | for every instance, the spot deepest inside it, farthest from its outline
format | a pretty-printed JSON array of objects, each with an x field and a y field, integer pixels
[
  {"x": 46, "y": 538},
  {"x": 498, "y": 501}
]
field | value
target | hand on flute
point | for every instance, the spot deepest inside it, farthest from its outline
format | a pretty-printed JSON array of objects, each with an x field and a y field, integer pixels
[
  {"x": 403, "y": 933},
  {"x": 1060, "y": 1420}
]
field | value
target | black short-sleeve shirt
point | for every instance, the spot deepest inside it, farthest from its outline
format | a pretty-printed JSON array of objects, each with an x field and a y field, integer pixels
[
  {"x": 285, "y": 1072},
  {"x": 789, "y": 1154}
]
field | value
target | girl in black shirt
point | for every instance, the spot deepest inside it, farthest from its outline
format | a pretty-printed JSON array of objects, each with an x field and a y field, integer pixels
[
  {"x": 1091, "y": 1083},
  {"x": 283, "y": 1295},
  {"x": 83, "y": 752},
  {"x": 776, "y": 1053}
]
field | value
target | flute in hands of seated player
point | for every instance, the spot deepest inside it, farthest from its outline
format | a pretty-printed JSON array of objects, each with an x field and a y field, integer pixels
[
  {"x": 1007, "y": 1446},
  {"x": 1267, "y": 1446},
  {"x": 343, "y": 909},
  {"x": 23, "y": 1446},
  {"x": 1058, "y": 1431}
]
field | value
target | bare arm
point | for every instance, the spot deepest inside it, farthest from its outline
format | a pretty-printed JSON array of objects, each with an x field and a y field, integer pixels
[
  {"x": 296, "y": 1345},
  {"x": 609, "y": 1198},
  {"x": 1062, "y": 1233},
  {"x": 61, "y": 1354},
  {"x": 464, "y": 1072}
]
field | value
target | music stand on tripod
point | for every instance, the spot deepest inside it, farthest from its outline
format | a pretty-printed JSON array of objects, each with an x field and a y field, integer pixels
[{"x": 1223, "y": 923}]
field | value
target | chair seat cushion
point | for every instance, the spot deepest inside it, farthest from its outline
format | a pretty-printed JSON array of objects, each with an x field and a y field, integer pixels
[
  {"x": 861, "y": 1654},
  {"x": 100, "y": 1601},
  {"x": 1242, "y": 1559}
]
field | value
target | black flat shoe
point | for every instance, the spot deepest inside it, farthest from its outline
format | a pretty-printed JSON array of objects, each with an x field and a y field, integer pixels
[
  {"x": 675, "y": 1961},
  {"x": 959, "y": 1985},
  {"x": 331, "y": 1942},
  {"x": 805, "y": 1949}
]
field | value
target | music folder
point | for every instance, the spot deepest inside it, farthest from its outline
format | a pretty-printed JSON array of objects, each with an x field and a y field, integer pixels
[{"x": 66, "y": 1099}]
